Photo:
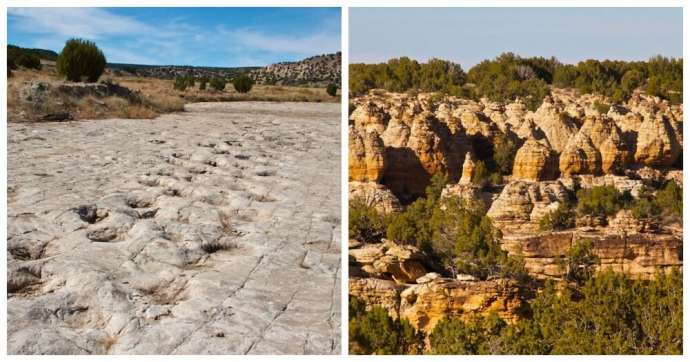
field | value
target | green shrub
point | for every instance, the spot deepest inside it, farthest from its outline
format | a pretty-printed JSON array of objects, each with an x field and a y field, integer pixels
[
  {"x": 609, "y": 314},
  {"x": 375, "y": 332},
  {"x": 217, "y": 83},
  {"x": 481, "y": 173},
  {"x": 202, "y": 83},
  {"x": 365, "y": 222},
  {"x": 456, "y": 233},
  {"x": 602, "y": 108},
  {"x": 243, "y": 83},
  {"x": 183, "y": 82},
  {"x": 81, "y": 60},
  {"x": 465, "y": 241},
  {"x": 332, "y": 89},
  {"x": 670, "y": 198},
  {"x": 413, "y": 225},
  {"x": 560, "y": 219},
  {"x": 23, "y": 57},
  {"x": 504, "y": 150},
  {"x": 600, "y": 201},
  {"x": 645, "y": 207},
  {"x": 454, "y": 336},
  {"x": 580, "y": 262},
  {"x": 29, "y": 61}
]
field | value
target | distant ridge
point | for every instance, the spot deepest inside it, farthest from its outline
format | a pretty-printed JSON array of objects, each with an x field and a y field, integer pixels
[{"x": 318, "y": 70}]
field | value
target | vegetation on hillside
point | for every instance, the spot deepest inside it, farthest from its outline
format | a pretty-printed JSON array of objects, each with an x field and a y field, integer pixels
[
  {"x": 27, "y": 57},
  {"x": 375, "y": 332},
  {"x": 454, "y": 232},
  {"x": 509, "y": 76},
  {"x": 183, "y": 82},
  {"x": 607, "y": 314},
  {"x": 20, "y": 57}
]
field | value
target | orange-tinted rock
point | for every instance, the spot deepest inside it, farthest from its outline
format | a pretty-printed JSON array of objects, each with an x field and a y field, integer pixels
[
  {"x": 535, "y": 161},
  {"x": 366, "y": 156}
]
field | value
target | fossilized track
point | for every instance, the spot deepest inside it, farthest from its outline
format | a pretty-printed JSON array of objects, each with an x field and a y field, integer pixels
[{"x": 211, "y": 231}]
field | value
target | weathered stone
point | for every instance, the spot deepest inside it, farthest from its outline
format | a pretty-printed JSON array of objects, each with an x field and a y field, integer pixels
[
  {"x": 366, "y": 156},
  {"x": 535, "y": 161}
]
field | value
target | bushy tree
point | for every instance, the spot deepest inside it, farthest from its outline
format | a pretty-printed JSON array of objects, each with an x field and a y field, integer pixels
[
  {"x": 217, "y": 83},
  {"x": 375, "y": 332},
  {"x": 81, "y": 60},
  {"x": 404, "y": 74},
  {"x": 667, "y": 202},
  {"x": 202, "y": 83},
  {"x": 504, "y": 150},
  {"x": 600, "y": 201},
  {"x": 243, "y": 83},
  {"x": 580, "y": 262},
  {"x": 365, "y": 222},
  {"x": 509, "y": 76},
  {"x": 454, "y": 336},
  {"x": 332, "y": 89},
  {"x": 413, "y": 225},
  {"x": 607, "y": 314},
  {"x": 183, "y": 82},
  {"x": 560, "y": 219},
  {"x": 670, "y": 198}
]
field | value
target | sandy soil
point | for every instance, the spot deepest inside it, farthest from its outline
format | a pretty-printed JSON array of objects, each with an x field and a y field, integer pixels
[{"x": 212, "y": 231}]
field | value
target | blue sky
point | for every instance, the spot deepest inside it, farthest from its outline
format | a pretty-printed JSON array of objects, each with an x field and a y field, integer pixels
[
  {"x": 183, "y": 36},
  {"x": 469, "y": 35}
]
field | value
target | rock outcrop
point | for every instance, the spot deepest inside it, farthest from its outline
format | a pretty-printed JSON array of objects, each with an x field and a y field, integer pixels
[
  {"x": 374, "y": 195},
  {"x": 429, "y": 149},
  {"x": 657, "y": 144},
  {"x": 641, "y": 255},
  {"x": 401, "y": 263},
  {"x": 424, "y": 305},
  {"x": 535, "y": 161},
  {"x": 366, "y": 156},
  {"x": 467, "y": 169},
  {"x": 580, "y": 157},
  {"x": 522, "y": 204},
  {"x": 556, "y": 125},
  {"x": 395, "y": 277}
]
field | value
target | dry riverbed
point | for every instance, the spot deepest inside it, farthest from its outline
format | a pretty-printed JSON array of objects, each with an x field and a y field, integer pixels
[{"x": 213, "y": 231}]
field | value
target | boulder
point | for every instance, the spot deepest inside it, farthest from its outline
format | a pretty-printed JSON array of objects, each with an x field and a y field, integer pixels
[
  {"x": 535, "y": 161},
  {"x": 521, "y": 204},
  {"x": 374, "y": 195},
  {"x": 402, "y": 263},
  {"x": 580, "y": 157},
  {"x": 656, "y": 143},
  {"x": 369, "y": 117},
  {"x": 558, "y": 128}
]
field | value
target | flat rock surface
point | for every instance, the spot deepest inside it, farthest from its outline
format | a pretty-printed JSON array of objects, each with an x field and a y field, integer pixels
[{"x": 213, "y": 231}]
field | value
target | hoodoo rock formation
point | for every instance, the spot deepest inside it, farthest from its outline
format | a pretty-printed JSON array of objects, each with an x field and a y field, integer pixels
[{"x": 568, "y": 156}]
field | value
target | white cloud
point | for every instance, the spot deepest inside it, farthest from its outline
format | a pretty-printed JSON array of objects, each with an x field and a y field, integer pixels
[
  {"x": 92, "y": 23},
  {"x": 303, "y": 45}
]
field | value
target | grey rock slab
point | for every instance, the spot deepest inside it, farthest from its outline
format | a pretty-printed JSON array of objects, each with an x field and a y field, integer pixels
[{"x": 212, "y": 231}]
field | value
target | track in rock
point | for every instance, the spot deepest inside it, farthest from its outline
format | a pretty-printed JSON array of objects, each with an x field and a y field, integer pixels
[{"x": 213, "y": 231}]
